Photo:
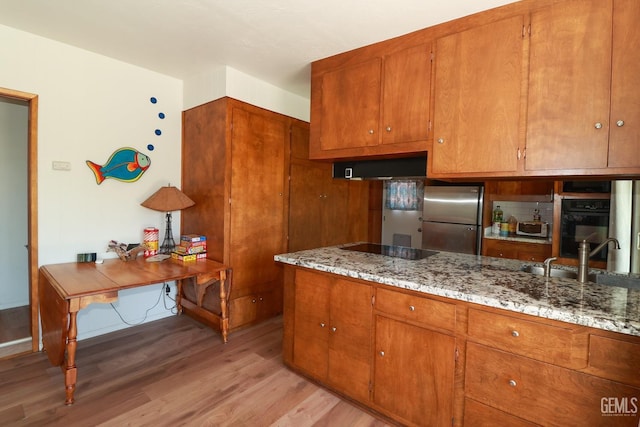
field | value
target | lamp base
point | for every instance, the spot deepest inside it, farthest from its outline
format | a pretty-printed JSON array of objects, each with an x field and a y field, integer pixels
[{"x": 168, "y": 244}]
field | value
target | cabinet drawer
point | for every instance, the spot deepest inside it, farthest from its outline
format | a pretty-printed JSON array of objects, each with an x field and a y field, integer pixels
[
  {"x": 417, "y": 309},
  {"x": 543, "y": 393},
  {"x": 478, "y": 415},
  {"x": 553, "y": 344},
  {"x": 615, "y": 359}
]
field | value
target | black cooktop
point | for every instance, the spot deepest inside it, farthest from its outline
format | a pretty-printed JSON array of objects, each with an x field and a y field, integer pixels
[{"x": 392, "y": 251}]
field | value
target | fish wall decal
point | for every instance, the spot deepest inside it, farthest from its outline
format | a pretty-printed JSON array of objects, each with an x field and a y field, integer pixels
[{"x": 125, "y": 164}]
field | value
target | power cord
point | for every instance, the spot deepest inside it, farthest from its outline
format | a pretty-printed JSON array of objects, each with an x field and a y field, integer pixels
[{"x": 162, "y": 292}]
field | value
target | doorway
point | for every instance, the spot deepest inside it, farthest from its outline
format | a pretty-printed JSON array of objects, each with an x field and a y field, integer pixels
[{"x": 19, "y": 309}]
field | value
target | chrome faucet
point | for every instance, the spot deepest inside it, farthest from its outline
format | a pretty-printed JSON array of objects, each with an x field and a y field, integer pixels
[
  {"x": 584, "y": 255},
  {"x": 547, "y": 265}
]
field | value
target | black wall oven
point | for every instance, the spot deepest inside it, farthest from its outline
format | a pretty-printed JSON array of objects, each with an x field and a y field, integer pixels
[{"x": 584, "y": 219}]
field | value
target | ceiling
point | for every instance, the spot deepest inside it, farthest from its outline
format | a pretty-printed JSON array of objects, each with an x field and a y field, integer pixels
[{"x": 272, "y": 40}]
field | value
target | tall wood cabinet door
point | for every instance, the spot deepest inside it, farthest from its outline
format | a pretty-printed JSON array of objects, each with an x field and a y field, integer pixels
[
  {"x": 257, "y": 197},
  {"x": 478, "y": 97},
  {"x": 414, "y": 372},
  {"x": 569, "y": 86},
  {"x": 624, "y": 138},
  {"x": 407, "y": 95},
  {"x": 350, "y": 112},
  {"x": 350, "y": 338},
  {"x": 306, "y": 202},
  {"x": 311, "y": 320}
]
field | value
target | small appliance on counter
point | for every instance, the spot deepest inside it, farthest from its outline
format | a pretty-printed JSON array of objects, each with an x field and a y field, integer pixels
[{"x": 532, "y": 229}]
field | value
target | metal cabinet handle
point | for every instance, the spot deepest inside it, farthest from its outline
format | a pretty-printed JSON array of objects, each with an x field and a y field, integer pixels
[
  {"x": 382, "y": 353},
  {"x": 440, "y": 140},
  {"x": 322, "y": 325},
  {"x": 513, "y": 383},
  {"x": 515, "y": 334},
  {"x": 253, "y": 300},
  {"x": 371, "y": 131},
  {"x": 598, "y": 125},
  {"x": 388, "y": 128},
  {"x": 412, "y": 308},
  {"x": 333, "y": 329},
  {"x": 620, "y": 123}
]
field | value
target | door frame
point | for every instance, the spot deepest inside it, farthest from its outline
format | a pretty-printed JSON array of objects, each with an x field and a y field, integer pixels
[{"x": 32, "y": 200}]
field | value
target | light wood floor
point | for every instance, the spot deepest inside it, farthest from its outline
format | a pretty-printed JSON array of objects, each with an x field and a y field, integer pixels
[{"x": 173, "y": 371}]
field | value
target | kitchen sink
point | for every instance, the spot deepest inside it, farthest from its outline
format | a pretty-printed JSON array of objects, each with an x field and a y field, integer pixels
[
  {"x": 620, "y": 280},
  {"x": 555, "y": 272}
]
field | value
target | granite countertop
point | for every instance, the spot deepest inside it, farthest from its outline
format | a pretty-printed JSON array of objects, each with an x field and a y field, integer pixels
[{"x": 493, "y": 282}]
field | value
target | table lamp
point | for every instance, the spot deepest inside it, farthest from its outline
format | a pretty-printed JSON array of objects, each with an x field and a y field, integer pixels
[{"x": 168, "y": 199}]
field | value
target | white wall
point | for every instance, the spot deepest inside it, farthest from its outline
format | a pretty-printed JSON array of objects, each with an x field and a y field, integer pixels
[
  {"x": 226, "y": 81},
  {"x": 90, "y": 106},
  {"x": 14, "y": 262}
]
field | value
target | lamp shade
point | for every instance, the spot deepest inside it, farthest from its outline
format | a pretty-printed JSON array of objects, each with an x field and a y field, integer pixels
[{"x": 168, "y": 199}]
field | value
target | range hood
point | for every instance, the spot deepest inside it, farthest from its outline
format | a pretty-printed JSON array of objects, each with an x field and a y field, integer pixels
[{"x": 400, "y": 168}]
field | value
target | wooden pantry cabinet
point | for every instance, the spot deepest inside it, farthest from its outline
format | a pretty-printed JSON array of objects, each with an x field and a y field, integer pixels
[
  {"x": 371, "y": 105},
  {"x": 584, "y": 86},
  {"x": 234, "y": 163},
  {"x": 322, "y": 211},
  {"x": 479, "y": 76}
]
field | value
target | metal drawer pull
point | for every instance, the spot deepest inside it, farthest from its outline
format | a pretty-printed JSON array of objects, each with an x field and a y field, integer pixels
[
  {"x": 513, "y": 383},
  {"x": 515, "y": 334},
  {"x": 334, "y": 329},
  {"x": 412, "y": 308},
  {"x": 322, "y": 325},
  {"x": 382, "y": 353}
]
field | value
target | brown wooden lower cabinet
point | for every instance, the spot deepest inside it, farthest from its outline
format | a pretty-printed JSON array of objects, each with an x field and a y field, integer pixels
[
  {"x": 536, "y": 252},
  {"x": 332, "y": 340},
  {"x": 478, "y": 415},
  {"x": 425, "y": 360},
  {"x": 545, "y": 393},
  {"x": 414, "y": 372}
]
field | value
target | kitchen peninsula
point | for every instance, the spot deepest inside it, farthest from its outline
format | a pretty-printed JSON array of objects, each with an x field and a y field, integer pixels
[{"x": 462, "y": 338}]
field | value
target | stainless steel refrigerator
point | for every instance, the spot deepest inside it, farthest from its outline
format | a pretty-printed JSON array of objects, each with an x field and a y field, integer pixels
[
  {"x": 624, "y": 225},
  {"x": 452, "y": 218}
]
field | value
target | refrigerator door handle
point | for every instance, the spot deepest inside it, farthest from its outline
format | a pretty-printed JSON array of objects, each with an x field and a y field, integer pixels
[{"x": 638, "y": 241}]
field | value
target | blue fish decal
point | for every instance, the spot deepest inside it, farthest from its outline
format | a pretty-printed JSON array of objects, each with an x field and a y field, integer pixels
[{"x": 125, "y": 164}]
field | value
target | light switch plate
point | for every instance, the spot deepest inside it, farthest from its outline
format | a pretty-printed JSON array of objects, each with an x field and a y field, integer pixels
[{"x": 61, "y": 166}]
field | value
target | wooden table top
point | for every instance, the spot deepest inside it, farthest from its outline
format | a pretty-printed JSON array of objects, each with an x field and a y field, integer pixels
[{"x": 74, "y": 280}]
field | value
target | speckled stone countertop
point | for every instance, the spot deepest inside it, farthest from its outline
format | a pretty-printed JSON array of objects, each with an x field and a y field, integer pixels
[{"x": 493, "y": 282}]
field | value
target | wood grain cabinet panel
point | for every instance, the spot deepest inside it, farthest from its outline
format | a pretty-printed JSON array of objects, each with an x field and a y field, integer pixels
[
  {"x": 332, "y": 336},
  {"x": 435, "y": 314},
  {"x": 478, "y": 415},
  {"x": 536, "y": 252},
  {"x": 378, "y": 105},
  {"x": 414, "y": 373},
  {"x": 584, "y": 79},
  {"x": 550, "y": 343},
  {"x": 478, "y": 97},
  {"x": 615, "y": 359},
  {"x": 543, "y": 393},
  {"x": 235, "y": 159}
]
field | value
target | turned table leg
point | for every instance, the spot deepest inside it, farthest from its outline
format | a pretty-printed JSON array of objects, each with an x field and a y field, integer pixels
[{"x": 69, "y": 368}]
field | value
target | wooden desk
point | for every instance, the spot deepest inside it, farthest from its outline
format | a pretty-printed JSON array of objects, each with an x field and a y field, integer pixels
[{"x": 67, "y": 288}]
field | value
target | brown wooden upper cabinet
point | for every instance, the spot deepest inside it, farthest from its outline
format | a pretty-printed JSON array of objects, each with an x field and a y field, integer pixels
[
  {"x": 584, "y": 88},
  {"x": 478, "y": 95},
  {"x": 374, "y": 106}
]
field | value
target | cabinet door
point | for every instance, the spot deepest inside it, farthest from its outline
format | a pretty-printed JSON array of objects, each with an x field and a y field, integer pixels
[
  {"x": 569, "y": 86},
  {"x": 414, "y": 372},
  {"x": 311, "y": 320},
  {"x": 625, "y": 86},
  {"x": 306, "y": 201},
  {"x": 257, "y": 217},
  {"x": 350, "y": 338},
  {"x": 478, "y": 86},
  {"x": 407, "y": 95},
  {"x": 350, "y": 112}
]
